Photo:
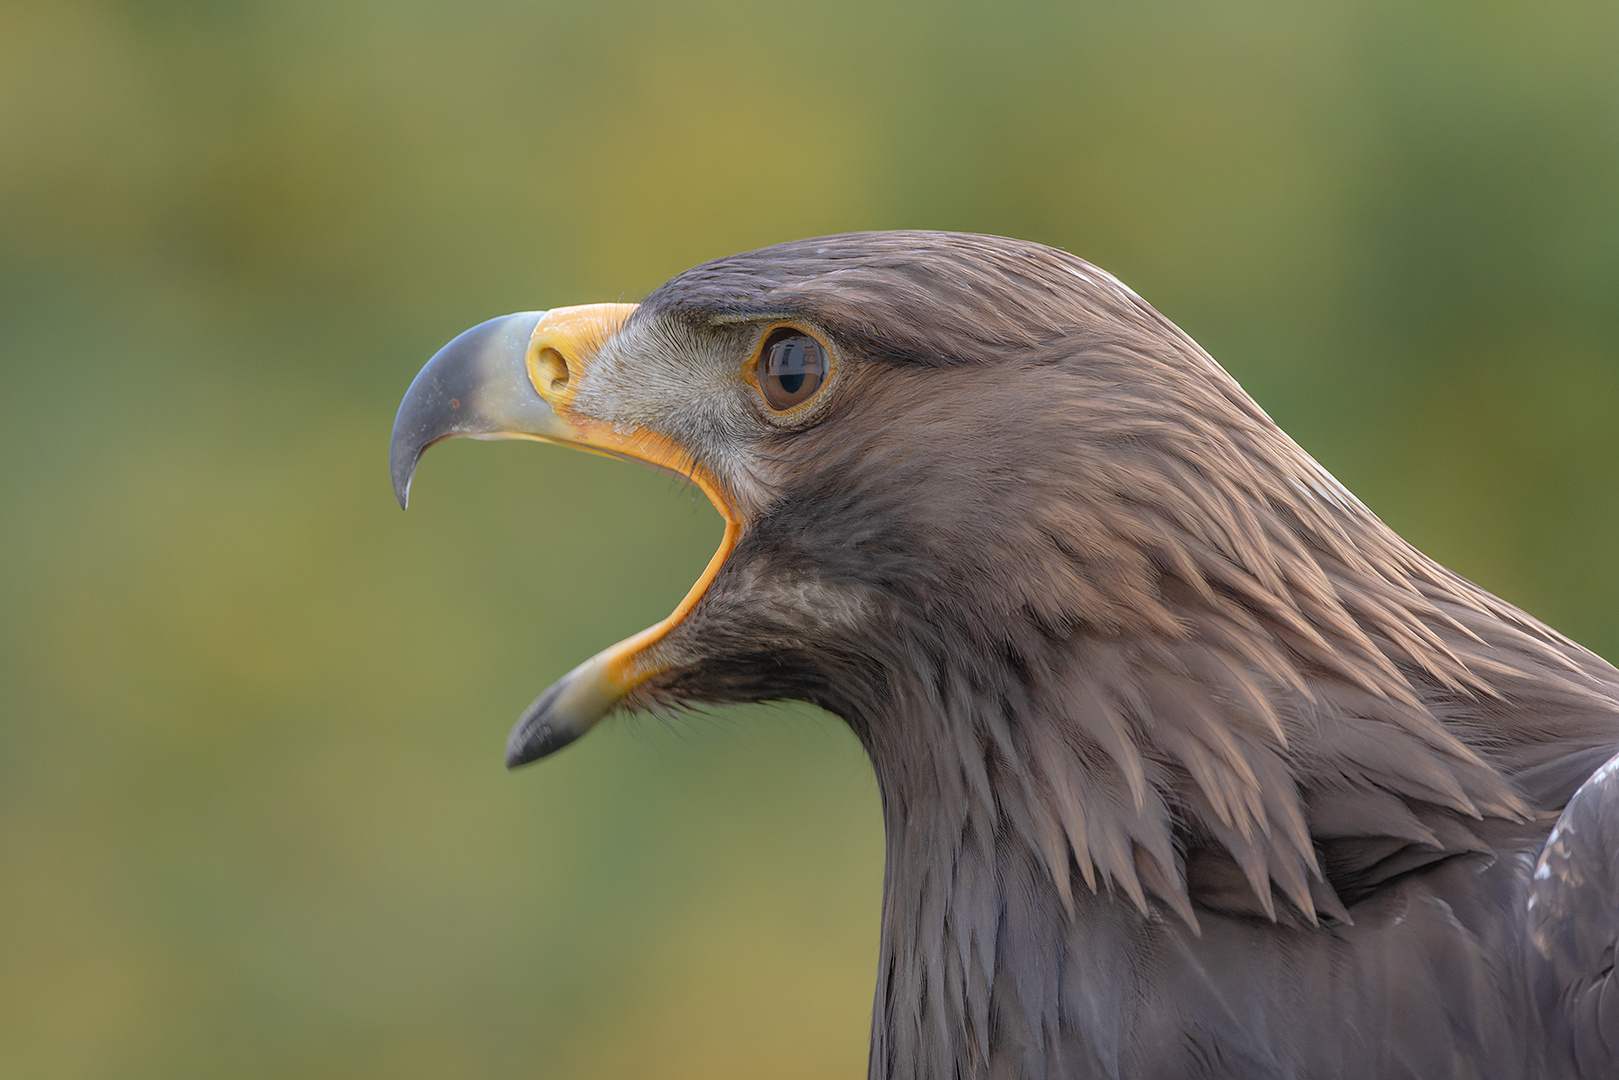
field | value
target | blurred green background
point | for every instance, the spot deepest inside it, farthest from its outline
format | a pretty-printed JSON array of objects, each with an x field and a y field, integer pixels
[{"x": 253, "y": 820}]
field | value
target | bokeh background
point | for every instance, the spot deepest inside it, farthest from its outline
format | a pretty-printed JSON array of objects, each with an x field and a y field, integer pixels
[{"x": 253, "y": 820}]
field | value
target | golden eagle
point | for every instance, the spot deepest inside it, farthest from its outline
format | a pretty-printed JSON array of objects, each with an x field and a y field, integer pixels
[{"x": 1190, "y": 766}]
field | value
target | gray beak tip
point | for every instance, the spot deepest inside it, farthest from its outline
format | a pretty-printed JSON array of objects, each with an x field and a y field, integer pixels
[
  {"x": 405, "y": 450},
  {"x": 402, "y": 476},
  {"x": 402, "y": 461},
  {"x": 549, "y": 724}
]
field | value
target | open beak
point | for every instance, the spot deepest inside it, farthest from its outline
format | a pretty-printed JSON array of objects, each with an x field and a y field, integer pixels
[{"x": 515, "y": 377}]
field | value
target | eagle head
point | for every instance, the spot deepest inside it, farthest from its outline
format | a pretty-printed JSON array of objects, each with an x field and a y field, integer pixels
[{"x": 1133, "y": 670}]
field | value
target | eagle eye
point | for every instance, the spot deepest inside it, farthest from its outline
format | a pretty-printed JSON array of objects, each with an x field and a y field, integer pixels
[{"x": 792, "y": 366}]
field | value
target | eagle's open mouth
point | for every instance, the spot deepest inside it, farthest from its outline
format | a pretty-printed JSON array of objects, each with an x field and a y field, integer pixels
[{"x": 515, "y": 377}]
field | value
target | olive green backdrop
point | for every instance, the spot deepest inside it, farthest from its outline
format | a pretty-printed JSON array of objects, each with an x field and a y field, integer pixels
[{"x": 253, "y": 820}]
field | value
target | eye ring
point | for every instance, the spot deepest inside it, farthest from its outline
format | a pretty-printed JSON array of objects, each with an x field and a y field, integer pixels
[{"x": 791, "y": 368}]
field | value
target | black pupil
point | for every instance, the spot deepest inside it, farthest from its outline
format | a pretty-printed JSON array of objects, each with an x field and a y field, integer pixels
[
  {"x": 792, "y": 370},
  {"x": 791, "y": 363}
]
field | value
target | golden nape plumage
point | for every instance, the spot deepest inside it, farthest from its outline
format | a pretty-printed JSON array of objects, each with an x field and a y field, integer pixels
[{"x": 1190, "y": 765}]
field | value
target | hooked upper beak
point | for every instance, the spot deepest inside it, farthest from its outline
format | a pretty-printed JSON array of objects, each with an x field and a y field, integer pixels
[
  {"x": 486, "y": 383},
  {"x": 515, "y": 377}
]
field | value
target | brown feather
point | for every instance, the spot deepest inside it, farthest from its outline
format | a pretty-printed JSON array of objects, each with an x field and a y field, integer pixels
[{"x": 1167, "y": 723}]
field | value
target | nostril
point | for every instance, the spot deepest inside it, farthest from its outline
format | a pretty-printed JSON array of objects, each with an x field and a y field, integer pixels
[{"x": 551, "y": 371}]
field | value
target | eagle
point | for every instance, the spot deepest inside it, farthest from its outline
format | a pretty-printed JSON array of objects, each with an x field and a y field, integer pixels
[{"x": 1190, "y": 766}]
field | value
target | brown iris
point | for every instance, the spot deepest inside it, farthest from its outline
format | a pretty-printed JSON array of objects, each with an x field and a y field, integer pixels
[{"x": 792, "y": 366}]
